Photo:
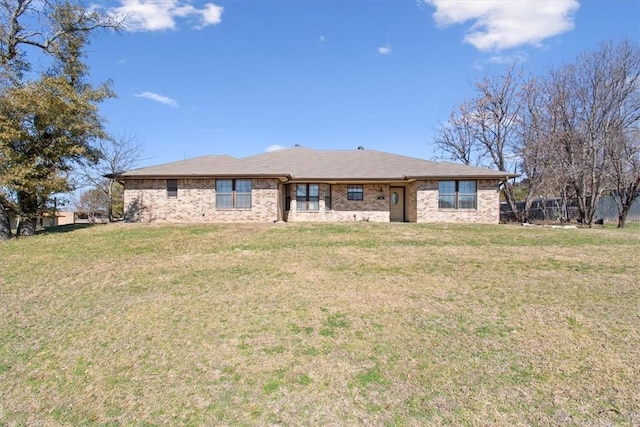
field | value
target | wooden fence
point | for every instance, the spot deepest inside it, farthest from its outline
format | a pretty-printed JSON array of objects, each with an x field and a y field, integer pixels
[{"x": 554, "y": 210}]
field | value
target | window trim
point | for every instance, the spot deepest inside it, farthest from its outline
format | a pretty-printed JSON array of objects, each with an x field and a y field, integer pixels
[
  {"x": 172, "y": 188},
  {"x": 355, "y": 192},
  {"x": 303, "y": 205},
  {"x": 234, "y": 194},
  {"x": 327, "y": 197},
  {"x": 457, "y": 193}
]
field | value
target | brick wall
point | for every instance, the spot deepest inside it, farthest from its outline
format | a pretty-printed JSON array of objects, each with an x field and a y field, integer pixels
[
  {"x": 146, "y": 200},
  {"x": 411, "y": 202},
  {"x": 426, "y": 204},
  {"x": 371, "y": 208}
]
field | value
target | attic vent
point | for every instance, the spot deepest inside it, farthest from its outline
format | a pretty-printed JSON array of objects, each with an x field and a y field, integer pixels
[{"x": 360, "y": 147}]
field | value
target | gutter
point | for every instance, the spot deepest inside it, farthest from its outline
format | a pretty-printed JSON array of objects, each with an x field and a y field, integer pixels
[
  {"x": 196, "y": 176},
  {"x": 504, "y": 177}
]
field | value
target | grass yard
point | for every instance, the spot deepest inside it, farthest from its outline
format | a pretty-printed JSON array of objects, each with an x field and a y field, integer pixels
[{"x": 334, "y": 324}]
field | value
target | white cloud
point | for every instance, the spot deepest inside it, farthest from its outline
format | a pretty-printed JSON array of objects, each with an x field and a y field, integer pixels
[
  {"x": 211, "y": 14},
  {"x": 274, "y": 147},
  {"x": 158, "y": 15},
  {"x": 501, "y": 24},
  {"x": 157, "y": 98},
  {"x": 384, "y": 50}
]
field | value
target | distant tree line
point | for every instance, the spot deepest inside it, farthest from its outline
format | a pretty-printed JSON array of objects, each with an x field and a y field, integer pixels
[{"x": 573, "y": 133}]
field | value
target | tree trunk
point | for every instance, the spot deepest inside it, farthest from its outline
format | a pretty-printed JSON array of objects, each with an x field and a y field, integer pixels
[
  {"x": 526, "y": 213},
  {"x": 511, "y": 201},
  {"x": 586, "y": 209},
  {"x": 5, "y": 225},
  {"x": 26, "y": 227},
  {"x": 622, "y": 218},
  {"x": 28, "y": 207},
  {"x": 625, "y": 198}
]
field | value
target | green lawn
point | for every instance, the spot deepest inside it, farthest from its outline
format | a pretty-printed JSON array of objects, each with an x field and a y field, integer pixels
[{"x": 334, "y": 324}]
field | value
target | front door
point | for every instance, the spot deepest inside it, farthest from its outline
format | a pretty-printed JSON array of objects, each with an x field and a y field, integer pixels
[{"x": 396, "y": 204}]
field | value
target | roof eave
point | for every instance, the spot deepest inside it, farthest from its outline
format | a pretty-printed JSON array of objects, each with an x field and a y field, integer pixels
[
  {"x": 503, "y": 177},
  {"x": 198, "y": 176},
  {"x": 345, "y": 180}
]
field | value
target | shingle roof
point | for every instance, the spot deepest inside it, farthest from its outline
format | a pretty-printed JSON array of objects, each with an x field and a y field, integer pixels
[
  {"x": 301, "y": 163},
  {"x": 205, "y": 165}
]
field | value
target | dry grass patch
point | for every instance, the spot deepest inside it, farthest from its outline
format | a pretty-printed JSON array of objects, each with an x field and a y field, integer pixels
[{"x": 396, "y": 324}]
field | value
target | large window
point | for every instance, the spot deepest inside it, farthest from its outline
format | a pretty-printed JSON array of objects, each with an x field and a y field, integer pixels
[
  {"x": 308, "y": 197},
  {"x": 172, "y": 188},
  {"x": 355, "y": 192},
  {"x": 233, "y": 194},
  {"x": 457, "y": 195},
  {"x": 467, "y": 195}
]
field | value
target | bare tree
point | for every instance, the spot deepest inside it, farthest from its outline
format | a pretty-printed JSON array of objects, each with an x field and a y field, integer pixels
[
  {"x": 572, "y": 133},
  {"x": 93, "y": 205},
  {"x": 457, "y": 137},
  {"x": 623, "y": 146},
  {"x": 623, "y": 161},
  {"x": 482, "y": 131},
  {"x": 532, "y": 150},
  {"x": 591, "y": 104},
  {"x": 37, "y": 23},
  {"x": 116, "y": 155}
]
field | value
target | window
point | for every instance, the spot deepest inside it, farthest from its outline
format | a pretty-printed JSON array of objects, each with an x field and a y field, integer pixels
[
  {"x": 395, "y": 198},
  {"x": 447, "y": 195},
  {"x": 355, "y": 192},
  {"x": 467, "y": 197},
  {"x": 287, "y": 197},
  {"x": 243, "y": 193},
  {"x": 172, "y": 188},
  {"x": 224, "y": 194},
  {"x": 233, "y": 194},
  {"x": 457, "y": 195},
  {"x": 307, "y": 197},
  {"x": 327, "y": 197}
]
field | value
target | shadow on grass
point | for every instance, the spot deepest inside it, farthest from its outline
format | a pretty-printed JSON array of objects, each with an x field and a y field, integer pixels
[{"x": 66, "y": 228}]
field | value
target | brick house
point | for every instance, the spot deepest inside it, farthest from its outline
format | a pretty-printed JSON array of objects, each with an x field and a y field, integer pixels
[{"x": 302, "y": 184}]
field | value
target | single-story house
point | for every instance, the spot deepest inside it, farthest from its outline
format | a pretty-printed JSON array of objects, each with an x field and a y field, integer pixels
[
  {"x": 47, "y": 220},
  {"x": 302, "y": 184}
]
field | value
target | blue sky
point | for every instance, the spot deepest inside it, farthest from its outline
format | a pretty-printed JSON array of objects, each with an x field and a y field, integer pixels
[{"x": 240, "y": 77}]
